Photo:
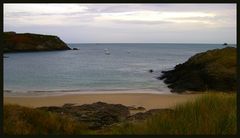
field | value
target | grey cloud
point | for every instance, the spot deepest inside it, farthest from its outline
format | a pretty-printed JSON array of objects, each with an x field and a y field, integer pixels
[
  {"x": 141, "y": 22},
  {"x": 131, "y": 31}
]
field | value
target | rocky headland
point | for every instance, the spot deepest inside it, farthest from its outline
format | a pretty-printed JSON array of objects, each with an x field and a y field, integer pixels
[
  {"x": 213, "y": 70},
  {"x": 26, "y": 42}
]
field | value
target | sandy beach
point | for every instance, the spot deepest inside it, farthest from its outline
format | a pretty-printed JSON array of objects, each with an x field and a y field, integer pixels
[{"x": 146, "y": 99}]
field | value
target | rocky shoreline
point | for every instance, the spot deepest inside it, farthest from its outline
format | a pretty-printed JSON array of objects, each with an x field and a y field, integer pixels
[{"x": 213, "y": 70}]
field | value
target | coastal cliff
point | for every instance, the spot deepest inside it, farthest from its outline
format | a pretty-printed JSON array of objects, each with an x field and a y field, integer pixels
[
  {"x": 13, "y": 42},
  {"x": 211, "y": 70}
]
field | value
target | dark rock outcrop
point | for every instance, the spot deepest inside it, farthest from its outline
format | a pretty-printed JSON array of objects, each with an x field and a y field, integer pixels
[
  {"x": 75, "y": 49},
  {"x": 99, "y": 114},
  {"x": 147, "y": 114},
  {"x": 96, "y": 115},
  {"x": 140, "y": 108},
  {"x": 13, "y": 42},
  {"x": 151, "y": 70},
  {"x": 212, "y": 70}
]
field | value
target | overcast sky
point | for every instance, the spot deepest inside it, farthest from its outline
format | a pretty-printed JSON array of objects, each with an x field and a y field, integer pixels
[{"x": 125, "y": 23}]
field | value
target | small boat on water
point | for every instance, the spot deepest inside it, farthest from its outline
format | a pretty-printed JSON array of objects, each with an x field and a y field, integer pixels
[{"x": 107, "y": 51}]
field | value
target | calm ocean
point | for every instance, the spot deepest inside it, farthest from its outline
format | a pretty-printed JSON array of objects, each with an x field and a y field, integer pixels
[{"x": 90, "y": 68}]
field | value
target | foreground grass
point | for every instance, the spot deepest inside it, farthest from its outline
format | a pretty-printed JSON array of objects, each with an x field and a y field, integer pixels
[
  {"x": 22, "y": 120},
  {"x": 211, "y": 114}
]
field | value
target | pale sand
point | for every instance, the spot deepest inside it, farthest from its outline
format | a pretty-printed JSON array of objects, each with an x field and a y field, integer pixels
[{"x": 146, "y": 99}]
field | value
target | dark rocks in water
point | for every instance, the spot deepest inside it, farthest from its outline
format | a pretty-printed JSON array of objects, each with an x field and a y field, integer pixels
[
  {"x": 13, "y": 42},
  {"x": 212, "y": 70},
  {"x": 75, "y": 49},
  {"x": 96, "y": 115},
  {"x": 151, "y": 70},
  {"x": 225, "y": 44}
]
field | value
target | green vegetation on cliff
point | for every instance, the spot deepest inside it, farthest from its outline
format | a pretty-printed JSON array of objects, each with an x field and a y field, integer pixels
[
  {"x": 214, "y": 113},
  {"x": 212, "y": 70},
  {"x": 13, "y": 42}
]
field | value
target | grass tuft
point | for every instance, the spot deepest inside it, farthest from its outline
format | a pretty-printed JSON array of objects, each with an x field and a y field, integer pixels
[
  {"x": 213, "y": 113},
  {"x": 19, "y": 120}
]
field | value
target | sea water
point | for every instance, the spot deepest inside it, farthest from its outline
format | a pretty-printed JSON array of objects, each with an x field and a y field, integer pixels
[{"x": 124, "y": 67}]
